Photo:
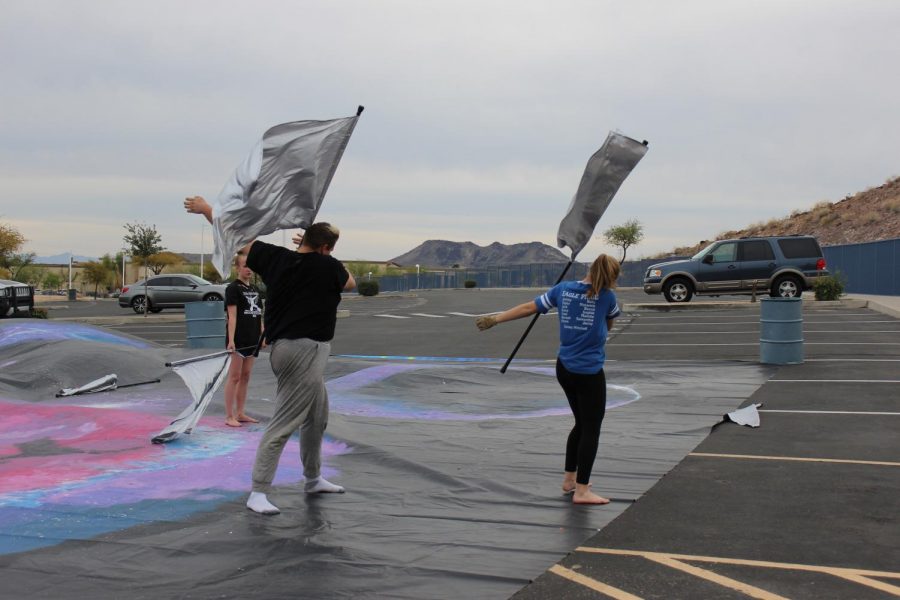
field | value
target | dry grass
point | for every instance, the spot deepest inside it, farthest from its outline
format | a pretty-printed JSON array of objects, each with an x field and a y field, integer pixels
[
  {"x": 870, "y": 218},
  {"x": 892, "y": 206}
]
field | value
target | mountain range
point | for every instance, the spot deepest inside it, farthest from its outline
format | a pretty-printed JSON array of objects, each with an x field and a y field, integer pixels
[{"x": 443, "y": 253}]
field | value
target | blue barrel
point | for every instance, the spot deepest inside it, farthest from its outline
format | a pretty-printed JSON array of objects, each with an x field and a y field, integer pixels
[
  {"x": 205, "y": 324},
  {"x": 781, "y": 331}
]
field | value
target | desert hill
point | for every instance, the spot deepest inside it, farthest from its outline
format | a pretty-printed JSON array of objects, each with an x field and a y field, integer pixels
[
  {"x": 867, "y": 216},
  {"x": 443, "y": 253}
]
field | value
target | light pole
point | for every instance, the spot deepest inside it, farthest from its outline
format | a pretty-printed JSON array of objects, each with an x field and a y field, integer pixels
[
  {"x": 123, "y": 267},
  {"x": 417, "y": 276},
  {"x": 202, "y": 231},
  {"x": 369, "y": 276}
]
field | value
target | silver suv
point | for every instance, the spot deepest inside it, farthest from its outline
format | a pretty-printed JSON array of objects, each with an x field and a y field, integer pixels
[{"x": 169, "y": 290}]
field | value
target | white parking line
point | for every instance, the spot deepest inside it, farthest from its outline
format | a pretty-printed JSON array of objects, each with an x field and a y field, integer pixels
[
  {"x": 750, "y": 331},
  {"x": 832, "y": 412},
  {"x": 429, "y": 316},
  {"x": 853, "y": 360},
  {"x": 637, "y": 322},
  {"x": 834, "y": 381},
  {"x": 392, "y": 316},
  {"x": 462, "y": 314},
  {"x": 757, "y": 344}
]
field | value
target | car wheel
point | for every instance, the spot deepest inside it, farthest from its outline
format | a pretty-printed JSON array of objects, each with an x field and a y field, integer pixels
[
  {"x": 212, "y": 298},
  {"x": 678, "y": 290},
  {"x": 786, "y": 287},
  {"x": 137, "y": 304}
]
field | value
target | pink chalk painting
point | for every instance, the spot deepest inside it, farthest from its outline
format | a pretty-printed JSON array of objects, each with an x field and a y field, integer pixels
[
  {"x": 94, "y": 470},
  {"x": 83, "y": 467}
]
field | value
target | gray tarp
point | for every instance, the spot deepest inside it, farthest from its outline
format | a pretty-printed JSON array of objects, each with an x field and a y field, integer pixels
[
  {"x": 452, "y": 476},
  {"x": 280, "y": 185},
  {"x": 603, "y": 175}
]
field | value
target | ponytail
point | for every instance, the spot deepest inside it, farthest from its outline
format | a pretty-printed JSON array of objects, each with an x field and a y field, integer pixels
[{"x": 603, "y": 274}]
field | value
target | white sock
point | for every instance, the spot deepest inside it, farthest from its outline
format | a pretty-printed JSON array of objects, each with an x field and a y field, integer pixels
[
  {"x": 320, "y": 485},
  {"x": 257, "y": 502}
]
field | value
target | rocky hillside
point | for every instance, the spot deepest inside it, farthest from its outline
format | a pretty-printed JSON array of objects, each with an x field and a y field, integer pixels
[
  {"x": 442, "y": 253},
  {"x": 867, "y": 216}
]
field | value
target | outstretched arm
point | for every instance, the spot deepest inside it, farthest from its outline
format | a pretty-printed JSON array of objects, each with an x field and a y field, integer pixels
[
  {"x": 199, "y": 206},
  {"x": 517, "y": 312}
]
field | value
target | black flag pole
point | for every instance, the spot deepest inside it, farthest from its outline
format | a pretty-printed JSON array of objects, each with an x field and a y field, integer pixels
[{"x": 533, "y": 321}]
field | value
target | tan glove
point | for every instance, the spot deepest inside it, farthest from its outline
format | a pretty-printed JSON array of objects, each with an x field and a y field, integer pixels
[{"x": 485, "y": 323}]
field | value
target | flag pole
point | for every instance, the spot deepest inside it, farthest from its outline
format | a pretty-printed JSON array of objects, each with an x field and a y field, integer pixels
[{"x": 533, "y": 321}]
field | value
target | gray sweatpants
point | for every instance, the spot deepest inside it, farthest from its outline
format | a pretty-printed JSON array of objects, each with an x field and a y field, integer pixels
[{"x": 301, "y": 402}]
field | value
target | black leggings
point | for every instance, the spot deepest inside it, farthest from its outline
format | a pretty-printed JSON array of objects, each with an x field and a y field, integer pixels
[{"x": 587, "y": 399}]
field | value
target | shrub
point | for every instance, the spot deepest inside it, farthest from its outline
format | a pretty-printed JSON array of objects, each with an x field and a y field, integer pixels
[
  {"x": 367, "y": 288},
  {"x": 470, "y": 283},
  {"x": 828, "y": 288}
]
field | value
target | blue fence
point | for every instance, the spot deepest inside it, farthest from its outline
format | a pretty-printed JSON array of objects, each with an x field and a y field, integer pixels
[
  {"x": 531, "y": 275},
  {"x": 870, "y": 268}
]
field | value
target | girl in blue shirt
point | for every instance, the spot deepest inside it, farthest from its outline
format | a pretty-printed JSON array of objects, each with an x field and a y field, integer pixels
[{"x": 587, "y": 309}]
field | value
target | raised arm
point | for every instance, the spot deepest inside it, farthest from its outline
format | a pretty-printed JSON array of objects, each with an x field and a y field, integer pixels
[{"x": 199, "y": 206}]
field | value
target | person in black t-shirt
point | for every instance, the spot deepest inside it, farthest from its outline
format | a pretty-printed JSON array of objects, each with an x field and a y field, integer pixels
[
  {"x": 244, "y": 326},
  {"x": 303, "y": 290}
]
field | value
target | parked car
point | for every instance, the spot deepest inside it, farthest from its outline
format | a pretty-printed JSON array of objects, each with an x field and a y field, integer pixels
[
  {"x": 170, "y": 290},
  {"x": 15, "y": 297},
  {"x": 784, "y": 266}
]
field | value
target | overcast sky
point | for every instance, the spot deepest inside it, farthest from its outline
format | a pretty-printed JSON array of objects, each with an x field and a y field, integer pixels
[{"x": 480, "y": 116}]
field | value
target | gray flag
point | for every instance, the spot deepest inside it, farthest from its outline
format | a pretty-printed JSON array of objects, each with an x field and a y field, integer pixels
[
  {"x": 604, "y": 173},
  {"x": 280, "y": 185}
]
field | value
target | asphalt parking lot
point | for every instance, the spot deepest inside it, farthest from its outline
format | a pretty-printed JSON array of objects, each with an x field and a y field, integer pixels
[{"x": 803, "y": 507}]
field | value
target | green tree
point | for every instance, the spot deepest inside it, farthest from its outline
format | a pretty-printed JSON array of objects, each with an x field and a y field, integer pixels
[
  {"x": 626, "y": 235},
  {"x": 96, "y": 273},
  {"x": 52, "y": 280},
  {"x": 10, "y": 242},
  {"x": 159, "y": 261},
  {"x": 144, "y": 241},
  {"x": 210, "y": 274},
  {"x": 19, "y": 265}
]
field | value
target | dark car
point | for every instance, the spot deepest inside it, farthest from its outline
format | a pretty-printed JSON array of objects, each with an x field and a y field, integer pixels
[
  {"x": 170, "y": 290},
  {"x": 15, "y": 297},
  {"x": 784, "y": 266}
]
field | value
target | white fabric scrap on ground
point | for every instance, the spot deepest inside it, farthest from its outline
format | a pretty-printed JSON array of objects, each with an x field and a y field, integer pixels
[
  {"x": 749, "y": 415},
  {"x": 105, "y": 383}
]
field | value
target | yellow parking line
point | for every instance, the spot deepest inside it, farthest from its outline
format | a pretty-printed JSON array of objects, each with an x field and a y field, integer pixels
[
  {"x": 861, "y": 576},
  {"x": 589, "y": 582},
  {"x": 744, "y": 588},
  {"x": 873, "y": 583},
  {"x": 797, "y": 459}
]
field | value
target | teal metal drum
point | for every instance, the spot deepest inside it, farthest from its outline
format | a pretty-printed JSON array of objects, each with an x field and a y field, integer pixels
[
  {"x": 781, "y": 331},
  {"x": 205, "y": 324}
]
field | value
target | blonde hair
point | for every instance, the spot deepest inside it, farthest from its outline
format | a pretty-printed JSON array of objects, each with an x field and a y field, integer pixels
[{"x": 603, "y": 274}]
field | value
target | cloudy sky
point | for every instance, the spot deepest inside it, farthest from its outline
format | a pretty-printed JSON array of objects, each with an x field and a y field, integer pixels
[{"x": 479, "y": 115}]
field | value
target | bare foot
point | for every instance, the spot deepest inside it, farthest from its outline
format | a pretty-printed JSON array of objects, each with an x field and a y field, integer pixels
[
  {"x": 588, "y": 497},
  {"x": 246, "y": 419},
  {"x": 569, "y": 486},
  {"x": 232, "y": 422}
]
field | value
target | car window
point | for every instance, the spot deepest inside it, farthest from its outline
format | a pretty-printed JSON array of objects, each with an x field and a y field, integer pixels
[
  {"x": 799, "y": 248},
  {"x": 158, "y": 281},
  {"x": 181, "y": 281},
  {"x": 724, "y": 252},
  {"x": 756, "y": 250}
]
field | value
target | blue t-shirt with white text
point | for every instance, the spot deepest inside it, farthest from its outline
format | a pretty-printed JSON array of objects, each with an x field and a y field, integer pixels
[{"x": 582, "y": 324}]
